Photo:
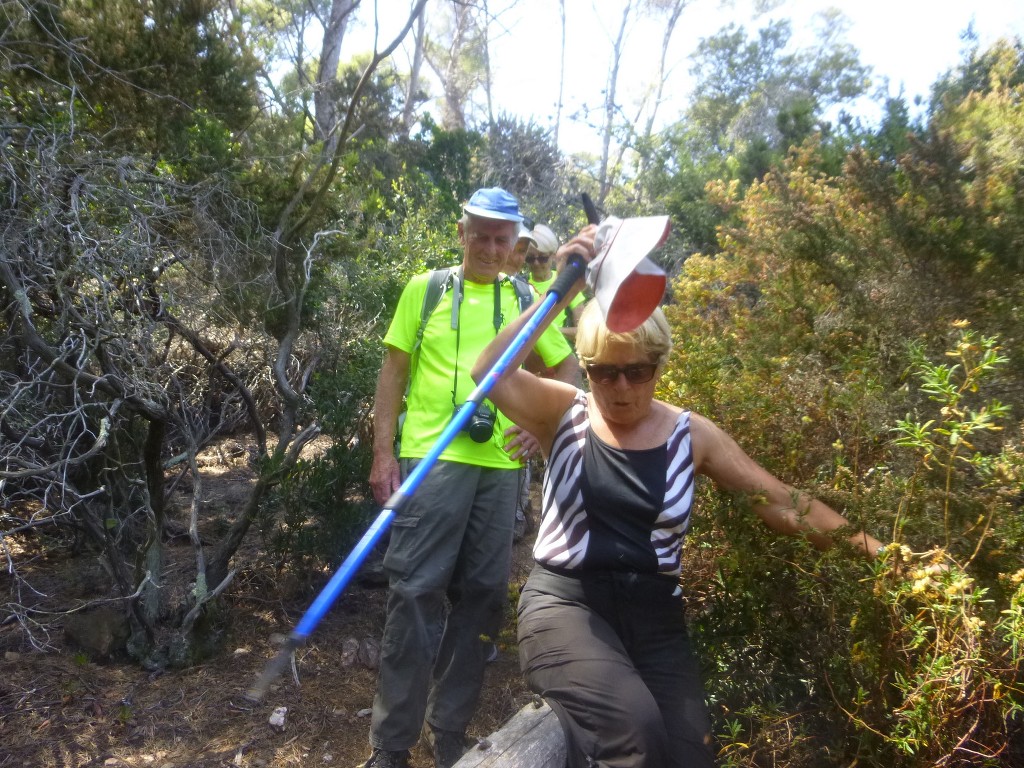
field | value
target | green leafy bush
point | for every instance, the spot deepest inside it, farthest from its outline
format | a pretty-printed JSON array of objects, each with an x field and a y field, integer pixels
[
  {"x": 820, "y": 659},
  {"x": 795, "y": 338}
]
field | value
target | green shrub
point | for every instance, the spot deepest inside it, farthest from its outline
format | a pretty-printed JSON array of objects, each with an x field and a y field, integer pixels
[{"x": 820, "y": 659}]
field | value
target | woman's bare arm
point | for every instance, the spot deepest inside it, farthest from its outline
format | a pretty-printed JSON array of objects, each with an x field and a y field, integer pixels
[
  {"x": 782, "y": 508},
  {"x": 535, "y": 404}
]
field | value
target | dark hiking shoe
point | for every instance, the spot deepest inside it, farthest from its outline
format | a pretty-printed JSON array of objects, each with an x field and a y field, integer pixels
[
  {"x": 448, "y": 747},
  {"x": 490, "y": 653},
  {"x": 381, "y": 758}
]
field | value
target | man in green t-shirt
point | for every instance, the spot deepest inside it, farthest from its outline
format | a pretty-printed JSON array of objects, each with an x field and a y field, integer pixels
[
  {"x": 540, "y": 261},
  {"x": 453, "y": 538}
]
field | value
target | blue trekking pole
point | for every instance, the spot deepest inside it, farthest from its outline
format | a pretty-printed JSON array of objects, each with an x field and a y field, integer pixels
[{"x": 571, "y": 272}]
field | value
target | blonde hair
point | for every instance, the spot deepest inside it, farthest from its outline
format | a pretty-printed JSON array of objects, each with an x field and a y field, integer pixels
[{"x": 653, "y": 338}]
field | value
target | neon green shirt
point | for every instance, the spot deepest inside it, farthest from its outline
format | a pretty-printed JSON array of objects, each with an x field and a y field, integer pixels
[
  {"x": 430, "y": 404},
  {"x": 543, "y": 285}
]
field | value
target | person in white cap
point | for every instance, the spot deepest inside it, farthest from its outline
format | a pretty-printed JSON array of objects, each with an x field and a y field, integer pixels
[
  {"x": 515, "y": 261},
  {"x": 452, "y": 541},
  {"x": 540, "y": 258},
  {"x": 513, "y": 267},
  {"x": 602, "y": 634}
]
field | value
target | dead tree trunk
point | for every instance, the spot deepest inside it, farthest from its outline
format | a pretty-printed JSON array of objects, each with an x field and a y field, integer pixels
[{"x": 533, "y": 738}]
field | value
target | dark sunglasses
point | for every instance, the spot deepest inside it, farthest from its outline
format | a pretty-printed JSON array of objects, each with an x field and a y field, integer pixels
[
  {"x": 537, "y": 259},
  {"x": 637, "y": 373}
]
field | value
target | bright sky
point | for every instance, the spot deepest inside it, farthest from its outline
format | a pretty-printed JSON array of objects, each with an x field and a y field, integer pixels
[{"x": 910, "y": 42}]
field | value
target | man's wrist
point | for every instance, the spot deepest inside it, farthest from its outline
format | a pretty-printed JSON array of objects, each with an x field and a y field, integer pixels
[{"x": 383, "y": 452}]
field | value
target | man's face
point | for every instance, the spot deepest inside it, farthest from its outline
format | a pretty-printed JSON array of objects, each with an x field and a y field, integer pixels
[
  {"x": 514, "y": 263},
  {"x": 486, "y": 244}
]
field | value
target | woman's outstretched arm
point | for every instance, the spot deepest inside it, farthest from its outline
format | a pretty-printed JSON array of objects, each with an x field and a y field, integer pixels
[{"x": 782, "y": 508}]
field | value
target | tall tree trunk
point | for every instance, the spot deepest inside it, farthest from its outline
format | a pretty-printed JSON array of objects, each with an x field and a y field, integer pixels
[
  {"x": 673, "y": 18},
  {"x": 453, "y": 116},
  {"x": 419, "y": 45},
  {"x": 611, "y": 107},
  {"x": 561, "y": 75},
  {"x": 324, "y": 100},
  {"x": 487, "y": 65}
]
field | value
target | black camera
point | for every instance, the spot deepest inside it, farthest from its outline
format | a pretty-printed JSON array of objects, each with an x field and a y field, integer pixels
[{"x": 480, "y": 425}]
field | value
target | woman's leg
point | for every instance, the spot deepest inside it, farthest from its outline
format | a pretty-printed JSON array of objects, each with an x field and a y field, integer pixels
[
  {"x": 664, "y": 659},
  {"x": 574, "y": 659}
]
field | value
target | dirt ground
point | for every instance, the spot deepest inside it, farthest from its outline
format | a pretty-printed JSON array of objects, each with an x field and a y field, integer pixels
[{"x": 58, "y": 709}]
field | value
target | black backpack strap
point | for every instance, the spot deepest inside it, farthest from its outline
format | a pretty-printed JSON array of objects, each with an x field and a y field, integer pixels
[
  {"x": 524, "y": 293},
  {"x": 440, "y": 281}
]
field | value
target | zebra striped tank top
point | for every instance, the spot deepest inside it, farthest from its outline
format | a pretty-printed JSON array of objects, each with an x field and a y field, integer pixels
[{"x": 598, "y": 511}]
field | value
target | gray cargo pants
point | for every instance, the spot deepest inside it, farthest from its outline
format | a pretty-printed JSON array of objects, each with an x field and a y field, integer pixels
[{"x": 453, "y": 539}]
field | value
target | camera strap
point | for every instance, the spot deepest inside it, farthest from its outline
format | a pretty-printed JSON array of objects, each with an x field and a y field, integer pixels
[{"x": 458, "y": 291}]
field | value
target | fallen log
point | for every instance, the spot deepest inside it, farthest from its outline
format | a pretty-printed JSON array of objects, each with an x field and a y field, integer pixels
[{"x": 532, "y": 738}]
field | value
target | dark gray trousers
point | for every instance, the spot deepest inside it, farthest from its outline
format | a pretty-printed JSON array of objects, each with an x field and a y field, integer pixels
[
  {"x": 453, "y": 540},
  {"x": 610, "y": 653}
]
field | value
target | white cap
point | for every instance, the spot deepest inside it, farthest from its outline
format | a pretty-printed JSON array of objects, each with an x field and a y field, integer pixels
[
  {"x": 525, "y": 233},
  {"x": 545, "y": 240},
  {"x": 627, "y": 285}
]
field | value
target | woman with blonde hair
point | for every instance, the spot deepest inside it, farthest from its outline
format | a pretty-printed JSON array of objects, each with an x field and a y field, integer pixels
[{"x": 602, "y": 635}]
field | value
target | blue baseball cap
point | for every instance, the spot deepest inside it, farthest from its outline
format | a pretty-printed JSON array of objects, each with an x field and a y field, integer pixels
[{"x": 494, "y": 203}]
